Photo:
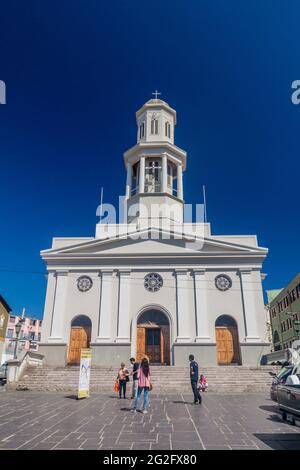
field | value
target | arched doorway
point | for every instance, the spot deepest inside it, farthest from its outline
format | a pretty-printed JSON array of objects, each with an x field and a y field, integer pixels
[
  {"x": 80, "y": 337},
  {"x": 153, "y": 337},
  {"x": 227, "y": 340}
]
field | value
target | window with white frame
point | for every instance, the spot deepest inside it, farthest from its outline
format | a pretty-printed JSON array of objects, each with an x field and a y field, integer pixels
[
  {"x": 154, "y": 126},
  {"x": 153, "y": 171},
  {"x": 167, "y": 129},
  {"x": 135, "y": 178},
  {"x": 142, "y": 130}
]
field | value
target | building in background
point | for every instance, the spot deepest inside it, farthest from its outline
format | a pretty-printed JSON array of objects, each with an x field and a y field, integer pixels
[
  {"x": 271, "y": 294},
  {"x": 4, "y": 316},
  {"x": 284, "y": 309},
  {"x": 29, "y": 336}
]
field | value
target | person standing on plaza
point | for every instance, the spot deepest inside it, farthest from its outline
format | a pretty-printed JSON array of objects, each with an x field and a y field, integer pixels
[
  {"x": 123, "y": 377},
  {"x": 144, "y": 385},
  {"x": 135, "y": 367},
  {"x": 194, "y": 374}
]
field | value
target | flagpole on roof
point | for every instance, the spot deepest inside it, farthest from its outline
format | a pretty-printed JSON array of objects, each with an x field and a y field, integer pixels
[
  {"x": 204, "y": 200},
  {"x": 101, "y": 204}
]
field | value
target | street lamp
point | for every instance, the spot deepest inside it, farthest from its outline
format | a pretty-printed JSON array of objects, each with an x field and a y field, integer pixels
[{"x": 18, "y": 329}]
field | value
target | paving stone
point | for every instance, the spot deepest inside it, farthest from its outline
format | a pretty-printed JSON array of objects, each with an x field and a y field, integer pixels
[{"x": 244, "y": 421}]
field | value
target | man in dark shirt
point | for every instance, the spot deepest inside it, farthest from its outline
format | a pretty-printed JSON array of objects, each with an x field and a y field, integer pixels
[
  {"x": 135, "y": 367},
  {"x": 194, "y": 373}
]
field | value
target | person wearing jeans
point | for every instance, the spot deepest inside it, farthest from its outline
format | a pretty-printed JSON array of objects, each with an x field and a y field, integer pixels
[
  {"x": 123, "y": 376},
  {"x": 135, "y": 368},
  {"x": 194, "y": 374},
  {"x": 144, "y": 385}
]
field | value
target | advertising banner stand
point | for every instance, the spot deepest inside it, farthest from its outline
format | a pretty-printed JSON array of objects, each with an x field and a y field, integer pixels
[{"x": 84, "y": 373}]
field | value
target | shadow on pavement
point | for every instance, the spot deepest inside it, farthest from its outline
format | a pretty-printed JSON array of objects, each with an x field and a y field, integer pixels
[
  {"x": 182, "y": 402},
  {"x": 284, "y": 441},
  {"x": 273, "y": 408}
]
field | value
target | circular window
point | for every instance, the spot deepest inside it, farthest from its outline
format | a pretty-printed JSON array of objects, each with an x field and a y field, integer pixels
[
  {"x": 153, "y": 282},
  {"x": 84, "y": 283},
  {"x": 223, "y": 282}
]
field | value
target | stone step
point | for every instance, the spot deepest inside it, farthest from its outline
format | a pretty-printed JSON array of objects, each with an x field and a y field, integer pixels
[{"x": 231, "y": 379}]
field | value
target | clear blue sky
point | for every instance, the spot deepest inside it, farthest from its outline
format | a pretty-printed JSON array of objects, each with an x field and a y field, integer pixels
[{"x": 76, "y": 72}]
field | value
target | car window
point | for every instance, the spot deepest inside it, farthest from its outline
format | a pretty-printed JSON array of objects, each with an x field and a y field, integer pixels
[
  {"x": 286, "y": 374},
  {"x": 284, "y": 371},
  {"x": 296, "y": 370}
]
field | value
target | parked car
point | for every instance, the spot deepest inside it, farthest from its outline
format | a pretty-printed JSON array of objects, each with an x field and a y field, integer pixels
[
  {"x": 279, "y": 379},
  {"x": 3, "y": 371},
  {"x": 288, "y": 396}
]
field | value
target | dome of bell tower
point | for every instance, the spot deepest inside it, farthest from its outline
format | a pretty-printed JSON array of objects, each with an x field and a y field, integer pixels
[{"x": 156, "y": 121}]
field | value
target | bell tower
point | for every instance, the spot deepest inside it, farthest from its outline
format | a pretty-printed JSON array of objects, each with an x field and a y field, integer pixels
[{"x": 155, "y": 166}]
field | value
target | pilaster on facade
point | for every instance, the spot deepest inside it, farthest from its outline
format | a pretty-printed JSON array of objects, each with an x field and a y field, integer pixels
[
  {"x": 106, "y": 303},
  {"x": 183, "y": 335},
  {"x": 247, "y": 287},
  {"x": 123, "y": 335},
  {"x": 59, "y": 304},
  {"x": 201, "y": 306}
]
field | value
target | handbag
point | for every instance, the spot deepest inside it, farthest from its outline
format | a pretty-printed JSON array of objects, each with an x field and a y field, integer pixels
[
  {"x": 116, "y": 386},
  {"x": 127, "y": 378},
  {"x": 150, "y": 387}
]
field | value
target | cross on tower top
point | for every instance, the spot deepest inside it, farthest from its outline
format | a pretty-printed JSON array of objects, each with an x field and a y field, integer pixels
[{"x": 156, "y": 93}]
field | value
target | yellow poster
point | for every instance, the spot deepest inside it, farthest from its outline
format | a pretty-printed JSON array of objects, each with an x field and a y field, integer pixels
[{"x": 84, "y": 373}]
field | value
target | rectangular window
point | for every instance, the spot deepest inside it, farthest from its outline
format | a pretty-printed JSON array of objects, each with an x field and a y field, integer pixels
[
  {"x": 153, "y": 176},
  {"x": 142, "y": 130},
  {"x": 154, "y": 126},
  {"x": 10, "y": 333},
  {"x": 167, "y": 129},
  {"x": 12, "y": 319}
]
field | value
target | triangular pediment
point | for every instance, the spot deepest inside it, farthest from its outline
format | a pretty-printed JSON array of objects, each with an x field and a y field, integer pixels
[{"x": 154, "y": 242}]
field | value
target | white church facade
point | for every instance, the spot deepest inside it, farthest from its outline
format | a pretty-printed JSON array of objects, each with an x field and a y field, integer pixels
[{"x": 155, "y": 284}]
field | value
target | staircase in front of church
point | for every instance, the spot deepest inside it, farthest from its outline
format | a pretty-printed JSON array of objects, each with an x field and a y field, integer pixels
[{"x": 174, "y": 379}]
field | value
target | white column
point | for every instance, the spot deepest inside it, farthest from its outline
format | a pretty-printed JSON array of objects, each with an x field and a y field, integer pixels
[
  {"x": 106, "y": 301},
  {"x": 247, "y": 286},
  {"x": 142, "y": 175},
  {"x": 128, "y": 180},
  {"x": 58, "y": 314},
  {"x": 164, "y": 173},
  {"x": 124, "y": 308},
  {"x": 179, "y": 182},
  {"x": 182, "y": 289},
  {"x": 201, "y": 306}
]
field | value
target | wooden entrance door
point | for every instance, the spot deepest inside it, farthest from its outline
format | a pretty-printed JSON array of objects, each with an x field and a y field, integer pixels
[
  {"x": 153, "y": 342},
  {"x": 227, "y": 345},
  {"x": 79, "y": 338},
  {"x": 153, "y": 346}
]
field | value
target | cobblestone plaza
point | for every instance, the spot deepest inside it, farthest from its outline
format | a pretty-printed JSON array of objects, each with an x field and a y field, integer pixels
[{"x": 58, "y": 421}]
